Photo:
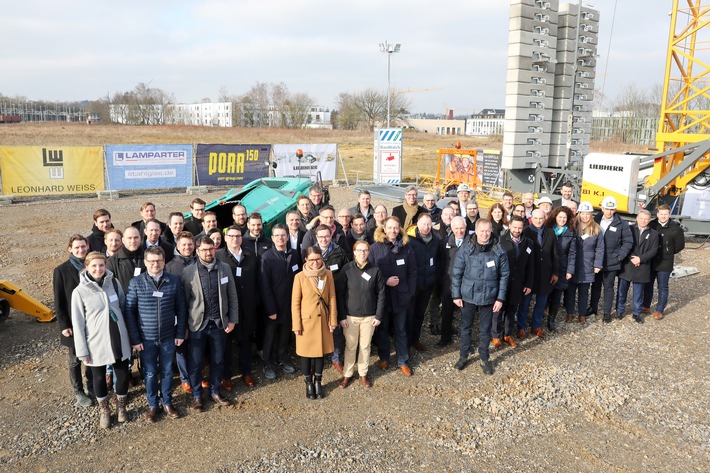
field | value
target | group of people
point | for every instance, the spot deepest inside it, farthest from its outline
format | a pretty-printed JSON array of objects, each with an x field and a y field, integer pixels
[{"x": 186, "y": 293}]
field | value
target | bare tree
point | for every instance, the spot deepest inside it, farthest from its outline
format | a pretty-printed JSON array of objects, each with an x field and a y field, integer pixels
[
  {"x": 372, "y": 105},
  {"x": 280, "y": 97},
  {"x": 349, "y": 116},
  {"x": 297, "y": 110}
]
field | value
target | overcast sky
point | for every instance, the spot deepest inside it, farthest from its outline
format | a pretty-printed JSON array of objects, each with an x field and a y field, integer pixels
[{"x": 75, "y": 50}]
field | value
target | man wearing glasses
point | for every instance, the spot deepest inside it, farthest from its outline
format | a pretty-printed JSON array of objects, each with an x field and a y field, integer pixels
[
  {"x": 239, "y": 215},
  {"x": 213, "y": 311},
  {"x": 193, "y": 224},
  {"x": 430, "y": 207},
  {"x": 156, "y": 319},
  {"x": 244, "y": 266},
  {"x": 279, "y": 265}
]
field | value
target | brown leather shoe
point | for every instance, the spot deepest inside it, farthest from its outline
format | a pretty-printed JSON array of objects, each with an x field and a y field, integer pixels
[
  {"x": 537, "y": 331},
  {"x": 197, "y": 404},
  {"x": 384, "y": 365},
  {"x": 522, "y": 335},
  {"x": 338, "y": 367},
  {"x": 205, "y": 383},
  {"x": 365, "y": 381},
  {"x": 186, "y": 388},
  {"x": 509, "y": 340},
  {"x": 221, "y": 400},
  {"x": 569, "y": 318},
  {"x": 345, "y": 383},
  {"x": 419, "y": 346},
  {"x": 496, "y": 342},
  {"x": 171, "y": 412},
  {"x": 227, "y": 385},
  {"x": 406, "y": 370},
  {"x": 646, "y": 310},
  {"x": 150, "y": 415},
  {"x": 657, "y": 315},
  {"x": 582, "y": 320},
  {"x": 248, "y": 380}
]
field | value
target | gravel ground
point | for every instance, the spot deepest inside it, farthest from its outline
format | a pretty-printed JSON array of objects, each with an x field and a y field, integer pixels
[{"x": 617, "y": 397}]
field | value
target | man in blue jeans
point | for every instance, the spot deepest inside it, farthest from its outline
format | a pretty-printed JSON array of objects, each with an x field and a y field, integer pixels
[
  {"x": 212, "y": 313},
  {"x": 479, "y": 283},
  {"x": 156, "y": 318}
]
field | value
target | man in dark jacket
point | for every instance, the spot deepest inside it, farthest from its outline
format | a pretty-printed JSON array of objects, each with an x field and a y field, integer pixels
[
  {"x": 449, "y": 247},
  {"x": 239, "y": 215},
  {"x": 426, "y": 251},
  {"x": 147, "y": 213},
  {"x": 315, "y": 194},
  {"x": 279, "y": 265},
  {"x": 430, "y": 207},
  {"x": 637, "y": 267},
  {"x": 255, "y": 240},
  {"x": 193, "y": 223},
  {"x": 102, "y": 224},
  {"x": 152, "y": 238},
  {"x": 472, "y": 216},
  {"x": 443, "y": 228},
  {"x": 546, "y": 262},
  {"x": 358, "y": 230},
  {"x": 245, "y": 267},
  {"x": 156, "y": 319},
  {"x": 479, "y": 283},
  {"x": 393, "y": 254},
  {"x": 671, "y": 241},
  {"x": 363, "y": 206},
  {"x": 65, "y": 279},
  {"x": 327, "y": 217},
  {"x": 379, "y": 216},
  {"x": 519, "y": 250},
  {"x": 618, "y": 242},
  {"x": 127, "y": 262},
  {"x": 295, "y": 232},
  {"x": 176, "y": 224},
  {"x": 409, "y": 211}
]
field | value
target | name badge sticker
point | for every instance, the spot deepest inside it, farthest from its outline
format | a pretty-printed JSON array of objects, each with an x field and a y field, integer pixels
[
  {"x": 491, "y": 264},
  {"x": 528, "y": 250},
  {"x": 137, "y": 272},
  {"x": 333, "y": 267},
  {"x": 431, "y": 261},
  {"x": 321, "y": 284},
  {"x": 294, "y": 268},
  {"x": 238, "y": 272},
  {"x": 112, "y": 298},
  {"x": 157, "y": 294},
  {"x": 613, "y": 229},
  {"x": 366, "y": 276},
  {"x": 224, "y": 280},
  {"x": 584, "y": 237},
  {"x": 448, "y": 246},
  {"x": 400, "y": 262}
]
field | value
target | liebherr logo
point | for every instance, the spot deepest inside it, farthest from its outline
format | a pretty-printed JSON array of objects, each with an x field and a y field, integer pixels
[{"x": 54, "y": 160}]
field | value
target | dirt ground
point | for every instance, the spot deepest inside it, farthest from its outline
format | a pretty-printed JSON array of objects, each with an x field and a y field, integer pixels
[{"x": 617, "y": 397}]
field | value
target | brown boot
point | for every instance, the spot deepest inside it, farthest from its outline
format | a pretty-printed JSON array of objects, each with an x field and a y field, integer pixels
[
  {"x": 104, "y": 413},
  {"x": 657, "y": 315},
  {"x": 497, "y": 342},
  {"x": 121, "y": 408},
  {"x": 509, "y": 340}
]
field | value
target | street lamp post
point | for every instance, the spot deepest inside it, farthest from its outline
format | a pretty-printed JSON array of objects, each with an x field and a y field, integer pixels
[{"x": 389, "y": 49}]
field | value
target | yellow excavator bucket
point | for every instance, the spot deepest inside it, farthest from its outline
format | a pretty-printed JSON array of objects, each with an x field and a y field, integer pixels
[{"x": 16, "y": 298}]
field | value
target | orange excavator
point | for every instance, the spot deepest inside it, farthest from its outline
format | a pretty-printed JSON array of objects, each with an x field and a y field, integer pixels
[{"x": 12, "y": 296}]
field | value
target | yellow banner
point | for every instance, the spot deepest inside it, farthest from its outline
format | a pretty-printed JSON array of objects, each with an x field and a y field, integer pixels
[{"x": 51, "y": 170}]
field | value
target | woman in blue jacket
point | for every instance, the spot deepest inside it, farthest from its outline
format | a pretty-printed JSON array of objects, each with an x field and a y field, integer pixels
[
  {"x": 590, "y": 259},
  {"x": 561, "y": 221}
]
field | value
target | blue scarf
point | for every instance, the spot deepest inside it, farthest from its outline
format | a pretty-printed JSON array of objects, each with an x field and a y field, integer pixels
[
  {"x": 560, "y": 230},
  {"x": 76, "y": 262}
]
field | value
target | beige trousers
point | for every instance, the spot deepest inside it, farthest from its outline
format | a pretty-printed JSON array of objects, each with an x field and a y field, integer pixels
[{"x": 359, "y": 331}]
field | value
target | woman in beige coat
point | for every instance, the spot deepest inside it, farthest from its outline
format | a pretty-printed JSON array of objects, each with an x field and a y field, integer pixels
[{"x": 315, "y": 316}]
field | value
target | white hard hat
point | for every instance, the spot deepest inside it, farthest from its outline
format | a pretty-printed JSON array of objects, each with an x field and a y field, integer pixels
[
  {"x": 545, "y": 200},
  {"x": 609, "y": 203},
  {"x": 463, "y": 188},
  {"x": 585, "y": 207}
]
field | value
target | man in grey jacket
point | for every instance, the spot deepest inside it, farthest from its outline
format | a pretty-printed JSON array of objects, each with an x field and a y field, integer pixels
[
  {"x": 212, "y": 313},
  {"x": 479, "y": 283}
]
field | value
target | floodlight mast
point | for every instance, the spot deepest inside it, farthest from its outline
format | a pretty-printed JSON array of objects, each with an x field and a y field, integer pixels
[{"x": 389, "y": 49}]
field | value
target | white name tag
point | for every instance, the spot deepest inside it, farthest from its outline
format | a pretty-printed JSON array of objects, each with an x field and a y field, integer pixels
[
  {"x": 224, "y": 280},
  {"x": 333, "y": 267},
  {"x": 238, "y": 272},
  {"x": 157, "y": 294},
  {"x": 613, "y": 229},
  {"x": 584, "y": 237},
  {"x": 400, "y": 262},
  {"x": 321, "y": 284},
  {"x": 137, "y": 272},
  {"x": 471, "y": 232},
  {"x": 112, "y": 298},
  {"x": 366, "y": 276},
  {"x": 448, "y": 246},
  {"x": 528, "y": 250},
  {"x": 431, "y": 261},
  {"x": 647, "y": 235},
  {"x": 491, "y": 264},
  {"x": 294, "y": 268}
]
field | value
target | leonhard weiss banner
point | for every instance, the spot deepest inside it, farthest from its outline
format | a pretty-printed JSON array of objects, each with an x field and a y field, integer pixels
[
  {"x": 231, "y": 165},
  {"x": 51, "y": 170},
  {"x": 315, "y": 157},
  {"x": 148, "y": 166}
]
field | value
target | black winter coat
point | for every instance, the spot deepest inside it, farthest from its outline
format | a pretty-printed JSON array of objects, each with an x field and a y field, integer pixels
[
  {"x": 547, "y": 260},
  {"x": 361, "y": 292},
  {"x": 140, "y": 225},
  {"x": 167, "y": 247},
  {"x": 193, "y": 226},
  {"x": 590, "y": 255},
  {"x": 64, "y": 280},
  {"x": 645, "y": 247},
  {"x": 396, "y": 260},
  {"x": 617, "y": 242},
  {"x": 277, "y": 271},
  {"x": 246, "y": 280},
  {"x": 125, "y": 268},
  {"x": 567, "y": 251},
  {"x": 448, "y": 251},
  {"x": 96, "y": 240},
  {"x": 428, "y": 257},
  {"x": 401, "y": 214},
  {"x": 522, "y": 267},
  {"x": 178, "y": 264},
  {"x": 671, "y": 241},
  {"x": 338, "y": 238},
  {"x": 258, "y": 245}
]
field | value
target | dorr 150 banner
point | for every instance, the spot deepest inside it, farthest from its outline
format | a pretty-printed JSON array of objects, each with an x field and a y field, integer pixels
[{"x": 224, "y": 164}]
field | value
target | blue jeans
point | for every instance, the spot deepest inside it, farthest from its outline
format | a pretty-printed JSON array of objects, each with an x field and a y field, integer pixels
[
  {"x": 662, "y": 277},
  {"x": 538, "y": 310},
  {"x": 623, "y": 292},
  {"x": 399, "y": 320},
  {"x": 157, "y": 361},
  {"x": 215, "y": 339},
  {"x": 484, "y": 332},
  {"x": 606, "y": 280},
  {"x": 181, "y": 354}
]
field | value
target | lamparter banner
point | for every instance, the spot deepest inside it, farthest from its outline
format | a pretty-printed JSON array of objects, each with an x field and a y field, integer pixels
[
  {"x": 231, "y": 165},
  {"x": 148, "y": 166},
  {"x": 316, "y": 157},
  {"x": 51, "y": 170}
]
